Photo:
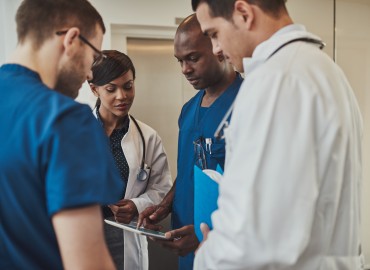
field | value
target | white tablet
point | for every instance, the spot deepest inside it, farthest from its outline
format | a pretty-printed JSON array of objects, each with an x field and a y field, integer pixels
[{"x": 132, "y": 228}]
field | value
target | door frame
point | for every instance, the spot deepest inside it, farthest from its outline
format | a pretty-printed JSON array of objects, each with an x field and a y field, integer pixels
[{"x": 121, "y": 32}]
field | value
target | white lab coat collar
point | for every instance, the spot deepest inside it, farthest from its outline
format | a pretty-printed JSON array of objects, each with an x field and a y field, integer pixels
[
  {"x": 131, "y": 145},
  {"x": 264, "y": 50}
]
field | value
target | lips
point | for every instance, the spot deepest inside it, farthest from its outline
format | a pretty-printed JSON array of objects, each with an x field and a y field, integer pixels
[
  {"x": 193, "y": 81},
  {"x": 122, "y": 106}
]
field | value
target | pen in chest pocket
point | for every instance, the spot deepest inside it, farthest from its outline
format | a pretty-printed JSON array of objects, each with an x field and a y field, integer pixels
[{"x": 208, "y": 142}]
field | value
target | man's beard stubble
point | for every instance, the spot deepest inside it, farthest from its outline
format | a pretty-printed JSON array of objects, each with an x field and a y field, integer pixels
[{"x": 70, "y": 79}]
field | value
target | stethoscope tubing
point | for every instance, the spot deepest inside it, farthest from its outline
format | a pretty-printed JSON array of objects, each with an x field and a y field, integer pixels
[{"x": 142, "y": 175}]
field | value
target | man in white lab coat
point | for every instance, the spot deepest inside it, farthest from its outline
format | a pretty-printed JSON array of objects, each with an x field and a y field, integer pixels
[{"x": 290, "y": 196}]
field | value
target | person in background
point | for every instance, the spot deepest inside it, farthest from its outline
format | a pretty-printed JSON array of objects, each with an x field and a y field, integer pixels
[
  {"x": 218, "y": 85},
  {"x": 290, "y": 195},
  {"x": 138, "y": 152},
  {"x": 54, "y": 171}
]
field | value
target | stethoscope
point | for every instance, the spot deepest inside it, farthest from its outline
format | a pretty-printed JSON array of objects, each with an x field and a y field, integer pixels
[
  {"x": 144, "y": 170},
  {"x": 219, "y": 133},
  {"x": 304, "y": 39}
]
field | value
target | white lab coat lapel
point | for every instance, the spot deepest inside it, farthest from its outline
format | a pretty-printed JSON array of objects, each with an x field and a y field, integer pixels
[{"x": 132, "y": 147}]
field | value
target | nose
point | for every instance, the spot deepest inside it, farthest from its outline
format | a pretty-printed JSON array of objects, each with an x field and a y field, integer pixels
[
  {"x": 216, "y": 48},
  {"x": 186, "y": 68},
  {"x": 89, "y": 76},
  {"x": 121, "y": 94}
]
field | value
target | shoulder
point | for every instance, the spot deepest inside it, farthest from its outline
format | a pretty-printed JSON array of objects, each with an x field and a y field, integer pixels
[
  {"x": 61, "y": 120},
  {"x": 52, "y": 111},
  {"x": 65, "y": 110},
  {"x": 194, "y": 100},
  {"x": 192, "y": 103}
]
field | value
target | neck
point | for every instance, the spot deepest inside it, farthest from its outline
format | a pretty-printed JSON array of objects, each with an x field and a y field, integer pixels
[
  {"x": 214, "y": 91},
  {"x": 271, "y": 25},
  {"x": 43, "y": 61},
  {"x": 110, "y": 121}
]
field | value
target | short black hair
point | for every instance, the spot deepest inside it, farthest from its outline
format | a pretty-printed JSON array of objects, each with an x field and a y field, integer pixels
[
  {"x": 113, "y": 66},
  {"x": 40, "y": 19},
  {"x": 224, "y": 8}
]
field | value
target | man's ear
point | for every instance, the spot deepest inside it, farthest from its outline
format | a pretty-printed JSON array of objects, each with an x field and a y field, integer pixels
[
  {"x": 245, "y": 12},
  {"x": 93, "y": 89},
  {"x": 71, "y": 40}
]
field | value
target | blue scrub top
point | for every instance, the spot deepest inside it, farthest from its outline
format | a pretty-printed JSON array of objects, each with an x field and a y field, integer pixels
[
  {"x": 192, "y": 128},
  {"x": 54, "y": 156}
]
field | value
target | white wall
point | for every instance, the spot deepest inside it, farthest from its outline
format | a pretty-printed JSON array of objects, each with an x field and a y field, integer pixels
[
  {"x": 131, "y": 12},
  {"x": 140, "y": 12},
  {"x": 8, "y": 36},
  {"x": 305, "y": 12}
]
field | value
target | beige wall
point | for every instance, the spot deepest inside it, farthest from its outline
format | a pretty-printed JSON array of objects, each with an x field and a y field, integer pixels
[{"x": 353, "y": 55}]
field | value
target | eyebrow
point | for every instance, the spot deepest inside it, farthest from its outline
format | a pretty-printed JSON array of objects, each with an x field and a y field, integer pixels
[
  {"x": 187, "y": 55},
  {"x": 114, "y": 84}
]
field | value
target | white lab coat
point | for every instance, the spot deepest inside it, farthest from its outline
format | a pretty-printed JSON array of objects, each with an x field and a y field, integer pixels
[
  {"x": 290, "y": 194},
  {"x": 160, "y": 182}
]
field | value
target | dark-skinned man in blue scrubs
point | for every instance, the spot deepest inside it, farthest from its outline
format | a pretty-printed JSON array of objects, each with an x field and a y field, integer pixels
[{"x": 218, "y": 85}]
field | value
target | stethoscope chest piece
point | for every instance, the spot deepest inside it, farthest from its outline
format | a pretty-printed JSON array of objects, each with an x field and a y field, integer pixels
[{"x": 143, "y": 174}]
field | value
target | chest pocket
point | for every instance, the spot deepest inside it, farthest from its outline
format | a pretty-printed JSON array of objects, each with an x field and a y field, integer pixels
[{"x": 216, "y": 154}]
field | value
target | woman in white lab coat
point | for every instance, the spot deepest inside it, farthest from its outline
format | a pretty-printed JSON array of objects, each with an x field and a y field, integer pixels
[{"x": 138, "y": 152}]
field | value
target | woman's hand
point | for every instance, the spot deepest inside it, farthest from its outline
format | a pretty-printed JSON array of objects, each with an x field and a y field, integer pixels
[{"x": 124, "y": 211}]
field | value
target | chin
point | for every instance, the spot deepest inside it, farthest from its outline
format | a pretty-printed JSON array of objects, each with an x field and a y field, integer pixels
[
  {"x": 199, "y": 87},
  {"x": 74, "y": 95},
  {"x": 121, "y": 114}
]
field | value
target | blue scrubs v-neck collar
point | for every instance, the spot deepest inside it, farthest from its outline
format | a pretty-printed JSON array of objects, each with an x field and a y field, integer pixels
[{"x": 221, "y": 99}]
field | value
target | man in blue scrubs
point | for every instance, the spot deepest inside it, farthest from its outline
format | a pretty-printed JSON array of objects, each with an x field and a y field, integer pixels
[
  {"x": 218, "y": 85},
  {"x": 54, "y": 170}
]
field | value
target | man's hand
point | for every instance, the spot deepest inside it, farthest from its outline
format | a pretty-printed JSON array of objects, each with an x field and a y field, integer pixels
[
  {"x": 205, "y": 230},
  {"x": 124, "y": 211},
  {"x": 183, "y": 240},
  {"x": 152, "y": 215}
]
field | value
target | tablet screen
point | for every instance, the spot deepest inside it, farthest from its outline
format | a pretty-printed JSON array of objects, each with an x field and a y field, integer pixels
[{"x": 132, "y": 228}]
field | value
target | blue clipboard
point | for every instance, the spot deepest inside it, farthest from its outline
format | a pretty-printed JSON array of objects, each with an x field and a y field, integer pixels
[{"x": 205, "y": 199}]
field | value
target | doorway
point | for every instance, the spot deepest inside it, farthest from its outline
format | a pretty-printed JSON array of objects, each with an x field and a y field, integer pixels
[{"x": 158, "y": 100}]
